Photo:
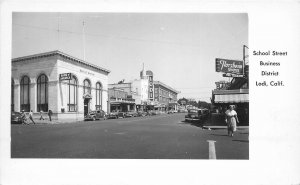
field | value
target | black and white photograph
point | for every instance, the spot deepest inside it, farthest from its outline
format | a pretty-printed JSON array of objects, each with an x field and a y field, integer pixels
[
  {"x": 169, "y": 92},
  {"x": 130, "y": 85}
]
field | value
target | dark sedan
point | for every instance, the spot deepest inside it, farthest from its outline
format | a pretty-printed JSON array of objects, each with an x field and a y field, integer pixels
[
  {"x": 198, "y": 115},
  {"x": 16, "y": 117}
]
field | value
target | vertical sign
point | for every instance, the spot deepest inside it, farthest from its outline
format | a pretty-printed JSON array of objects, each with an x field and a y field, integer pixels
[{"x": 151, "y": 87}]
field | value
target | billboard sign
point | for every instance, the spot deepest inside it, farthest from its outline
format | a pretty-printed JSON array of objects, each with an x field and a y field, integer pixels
[
  {"x": 229, "y": 66},
  {"x": 65, "y": 76}
]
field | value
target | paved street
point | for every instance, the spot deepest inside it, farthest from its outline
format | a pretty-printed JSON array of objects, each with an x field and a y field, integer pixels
[{"x": 156, "y": 137}]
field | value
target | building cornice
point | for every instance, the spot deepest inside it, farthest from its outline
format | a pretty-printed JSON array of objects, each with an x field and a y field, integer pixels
[
  {"x": 166, "y": 86},
  {"x": 61, "y": 54}
]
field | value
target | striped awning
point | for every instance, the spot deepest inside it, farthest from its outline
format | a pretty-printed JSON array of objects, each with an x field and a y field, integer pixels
[{"x": 231, "y": 98}]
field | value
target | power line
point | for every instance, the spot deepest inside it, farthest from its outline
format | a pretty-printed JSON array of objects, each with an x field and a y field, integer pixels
[{"x": 113, "y": 36}]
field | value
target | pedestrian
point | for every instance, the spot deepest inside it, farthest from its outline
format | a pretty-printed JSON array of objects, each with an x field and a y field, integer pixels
[
  {"x": 231, "y": 120},
  {"x": 50, "y": 114},
  {"x": 30, "y": 116},
  {"x": 41, "y": 115},
  {"x": 23, "y": 117}
]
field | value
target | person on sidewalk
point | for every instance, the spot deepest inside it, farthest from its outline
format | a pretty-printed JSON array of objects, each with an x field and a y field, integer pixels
[
  {"x": 41, "y": 115},
  {"x": 23, "y": 116},
  {"x": 30, "y": 116},
  {"x": 50, "y": 114},
  {"x": 231, "y": 120}
]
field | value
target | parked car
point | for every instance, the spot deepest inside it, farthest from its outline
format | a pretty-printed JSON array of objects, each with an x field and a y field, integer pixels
[
  {"x": 171, "y": 111},
  {"x": 121, "y": 115},
  {"x": 198, "y": 115},
  {"x": 113, "y": 115},
  {"x": 131, "y": 114},
  {"x": 95, "y": 115},
  {"x": 141, "y": 113},
  {"x": 16, "y": 118}
]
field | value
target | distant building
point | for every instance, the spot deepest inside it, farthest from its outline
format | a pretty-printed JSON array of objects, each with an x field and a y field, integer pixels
[
  {"x": 166, "y": 96},
  {"x": 120, "y": 100},
  {"x": 55, "y": 81},
  {"x": 143, "y": 92}
]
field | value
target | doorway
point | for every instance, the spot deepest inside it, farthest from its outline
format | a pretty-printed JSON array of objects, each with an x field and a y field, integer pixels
[{"x": 86, "y": 105}]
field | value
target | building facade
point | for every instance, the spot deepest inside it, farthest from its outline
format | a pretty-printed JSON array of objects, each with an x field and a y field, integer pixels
[
  {"x": 55, "y": 81},
  {"x": 149, "y": 94},
  {"x": 166, "y": 96},
  {"x": 120, "y": 101},
  {"x": 235, "y": 92}
]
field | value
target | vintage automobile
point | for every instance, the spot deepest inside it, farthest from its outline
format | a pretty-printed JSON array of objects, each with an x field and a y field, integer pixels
[
  {"x": 172, "y": 111},
  {"x": 141, "y": 113},
  {"x": 121, "y": 115},
  {"x": 96, "y": 115},
  {"x": 16, "y": 118},
  {"x": 197, "y": 115},
  {"x": 131, "y": 114},
  {"x": 113, "y": 115}
]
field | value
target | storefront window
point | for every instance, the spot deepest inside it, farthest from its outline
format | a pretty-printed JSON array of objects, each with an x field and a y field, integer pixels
[
  {"x": 72, "y": 93},
  {"x": 98, "y": 96},
  {"x": 86, "y": 86},
  {"x": 42, "y": 93},
  {"x": 24, "y": 94}
]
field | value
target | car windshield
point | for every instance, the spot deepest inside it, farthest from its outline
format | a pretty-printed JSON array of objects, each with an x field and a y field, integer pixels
[
  {"x": 193, "y": 111},
  {"x": 16, "y": 114}
]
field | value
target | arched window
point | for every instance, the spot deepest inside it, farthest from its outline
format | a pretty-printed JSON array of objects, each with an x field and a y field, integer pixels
[
  {"x": 12, "y": 95},
  {"x": 24, "y": 94},
  {"x": 86, "y": 86},
  {"x": 42, "y": 93},
  {"x": 98, "y": 96},
  {"x": 72, "y": 94}
]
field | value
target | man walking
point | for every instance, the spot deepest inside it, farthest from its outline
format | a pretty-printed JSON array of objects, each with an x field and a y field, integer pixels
[{"x": 30, "y": 116}]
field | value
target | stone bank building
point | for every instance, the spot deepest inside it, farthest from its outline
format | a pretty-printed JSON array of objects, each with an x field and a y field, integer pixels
[{"x": 56, "y": 81}]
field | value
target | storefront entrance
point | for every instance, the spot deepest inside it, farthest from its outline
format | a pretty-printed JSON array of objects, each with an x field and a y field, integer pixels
[
  {"x": 87, "y": 99},
  {"x": 86, "y": 105}
]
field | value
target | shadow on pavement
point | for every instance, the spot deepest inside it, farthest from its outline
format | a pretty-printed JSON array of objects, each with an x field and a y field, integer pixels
[
  {"x": 196, "y": 124},
  {"x": 220, "y": 135},
  {"x": 244, "y": 141}
]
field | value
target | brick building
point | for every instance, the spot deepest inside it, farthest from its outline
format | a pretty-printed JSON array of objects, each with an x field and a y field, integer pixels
[{"x": 55, "y": 81}]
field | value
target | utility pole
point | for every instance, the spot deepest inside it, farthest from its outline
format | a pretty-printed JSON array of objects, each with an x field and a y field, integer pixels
[
  {"x": 244, "y": 57},
  {"x": 83, "y": 40},
  {"x": 58, "y": 36}
]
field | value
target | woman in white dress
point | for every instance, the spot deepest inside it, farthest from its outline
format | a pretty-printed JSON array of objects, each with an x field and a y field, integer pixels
[{"x": 231, "y": 120}]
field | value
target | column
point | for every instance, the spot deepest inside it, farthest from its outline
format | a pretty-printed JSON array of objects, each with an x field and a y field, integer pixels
[
  {"x": 33, "y": 96},
  {"x": 17, "y": 90}
]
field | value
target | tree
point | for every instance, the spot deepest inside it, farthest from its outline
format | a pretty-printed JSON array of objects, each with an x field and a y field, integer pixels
[{"x": 203, "y": 104}]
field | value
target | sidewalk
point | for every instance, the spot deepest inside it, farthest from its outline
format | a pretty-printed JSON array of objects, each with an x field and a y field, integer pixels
[{"x": 223, "y": 127}]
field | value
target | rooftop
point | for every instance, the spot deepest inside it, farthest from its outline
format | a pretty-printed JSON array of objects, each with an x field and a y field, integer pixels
[
  {"x": 166, "y": 86},
  {"x": 59, "y": 53}
]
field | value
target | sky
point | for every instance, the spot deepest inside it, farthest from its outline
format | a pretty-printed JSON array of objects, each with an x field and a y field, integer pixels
[{"x": 179, "y": 48}]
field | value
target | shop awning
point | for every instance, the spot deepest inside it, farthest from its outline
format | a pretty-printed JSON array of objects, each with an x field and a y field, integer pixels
[
  {"x": 121, "y": 102},
  {"x": 231, "y": 98}
]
